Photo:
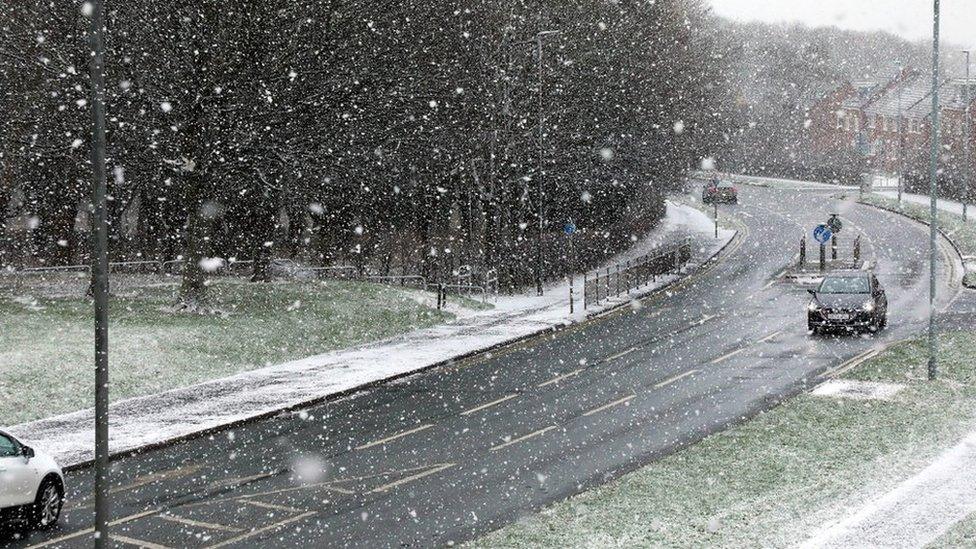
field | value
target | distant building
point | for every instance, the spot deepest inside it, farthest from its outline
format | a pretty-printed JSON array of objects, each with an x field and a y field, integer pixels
[{"x": 888, "y": 124}]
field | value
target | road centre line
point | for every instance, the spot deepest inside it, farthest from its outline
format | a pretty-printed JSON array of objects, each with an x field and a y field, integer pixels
[
  {"x": 727, "y": 356},
  {"x": 523, "y": 438},
  {"x": 620, "y": 354},
  {"x": 136, "y": 542},
  {"x": 418, "y": 476},
  {"x": 200, "y": 523},
  {"x": 608, "y": 405},
  {"x": 852, "y": 363},
  {"x": 678, "y": 377},
  {"x": 559, "y": 378},
  {"x": 488, "y": 405},
  {"x": 394, "y": 437},
  {"x": 87, "y": 531},
  {"x": 770, "y": 336},
  {"x": 273, "y": 506},
  {"x": 253, "y": 533}
]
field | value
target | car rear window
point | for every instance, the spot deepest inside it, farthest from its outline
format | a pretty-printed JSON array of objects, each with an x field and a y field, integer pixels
[
  {"x": 844, "y": 285},
  {"x": 725, "y": 185}
]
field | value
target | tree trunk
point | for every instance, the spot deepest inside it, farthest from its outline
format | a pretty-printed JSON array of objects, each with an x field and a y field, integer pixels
[{"x": 193, "y": 290}]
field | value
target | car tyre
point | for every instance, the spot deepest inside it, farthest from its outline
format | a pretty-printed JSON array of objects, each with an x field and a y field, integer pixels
[{"x": 47, "y": 506}]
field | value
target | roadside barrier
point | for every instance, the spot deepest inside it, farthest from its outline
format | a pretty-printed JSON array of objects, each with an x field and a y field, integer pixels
[{"x": 622, "y": 278}]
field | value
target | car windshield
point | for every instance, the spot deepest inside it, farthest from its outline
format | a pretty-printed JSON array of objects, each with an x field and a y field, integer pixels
[
  {"x": 844, "y": 285},
  {"x": 725, "y": 185}
]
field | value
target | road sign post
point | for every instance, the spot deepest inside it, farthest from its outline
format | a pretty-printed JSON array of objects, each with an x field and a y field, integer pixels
[{"x": 822, "y": 234}]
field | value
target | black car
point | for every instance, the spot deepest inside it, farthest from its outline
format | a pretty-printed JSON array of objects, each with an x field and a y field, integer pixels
[
  {"x": 720, "y": 192},
  {"x": 848, "y": 300}
]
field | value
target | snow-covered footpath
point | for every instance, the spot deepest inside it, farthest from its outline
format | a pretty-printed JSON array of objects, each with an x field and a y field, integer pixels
[
  {"x": 916, "y": 512},
  {"x": 156, "y": 419}
]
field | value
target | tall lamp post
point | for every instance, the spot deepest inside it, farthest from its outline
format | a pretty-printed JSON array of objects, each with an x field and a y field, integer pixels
[
  {"x": 966, "y": 146},
  {"x": 901, "y": 137},
  {"x": 933, "y": 189},
  {"x": 540, "y": 192}
]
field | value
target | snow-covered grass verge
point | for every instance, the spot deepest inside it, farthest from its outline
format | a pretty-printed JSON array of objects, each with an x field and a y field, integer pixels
[
  {"x": 46, "y": 342},
  {"x": 961, "y": 233},
  {"x": 779, "y": 478},
  {"x": 164, "y": 417}
]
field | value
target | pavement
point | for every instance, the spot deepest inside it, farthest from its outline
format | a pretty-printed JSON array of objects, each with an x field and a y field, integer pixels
[
  {"x": 154, "y": 420},
  {"x": 946, "y": 205},
  {"x": 446, "y": 455}
]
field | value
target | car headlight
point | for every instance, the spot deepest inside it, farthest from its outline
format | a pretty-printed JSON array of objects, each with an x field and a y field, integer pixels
[
  {"x": 813, "y": 306},
  {"x": 868, "y": 306}
]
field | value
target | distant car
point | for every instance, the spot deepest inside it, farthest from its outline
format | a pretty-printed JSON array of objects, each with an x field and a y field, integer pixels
[
  {"x": 31, "y": 486},
  {"x": 848, "y": 300},
  {"x": 720, "y": 192}
]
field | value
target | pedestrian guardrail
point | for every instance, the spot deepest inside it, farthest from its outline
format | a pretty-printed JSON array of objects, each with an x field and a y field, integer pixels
[
  {"x": 622, "y": 278},
  {"x": 401, "y": 280}
]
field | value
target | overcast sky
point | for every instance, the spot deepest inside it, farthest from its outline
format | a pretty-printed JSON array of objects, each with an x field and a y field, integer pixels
[{"x": 911, "y": 19}]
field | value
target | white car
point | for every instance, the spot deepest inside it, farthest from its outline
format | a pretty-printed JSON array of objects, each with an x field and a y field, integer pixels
[{"x": 31, "y": 485}]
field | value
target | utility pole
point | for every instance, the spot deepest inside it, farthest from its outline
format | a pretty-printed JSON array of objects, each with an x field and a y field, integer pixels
[
  {"x": 933, "y": 189},
  {"x": 901, "y": 139},
  {"x": 100, "y": 272},
  {"x": 540, "y": 191},
  {"x": 966, "y": 147}
]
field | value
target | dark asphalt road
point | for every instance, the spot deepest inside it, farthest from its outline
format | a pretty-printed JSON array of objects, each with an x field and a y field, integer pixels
[{"x": 450, "y": 454}]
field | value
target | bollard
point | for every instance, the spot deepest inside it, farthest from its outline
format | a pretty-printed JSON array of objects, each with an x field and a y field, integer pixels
[
  {"x": 570, "y": 294},
  {"x": 803, "y": 251},
  {"x": 833, "y": 247}
]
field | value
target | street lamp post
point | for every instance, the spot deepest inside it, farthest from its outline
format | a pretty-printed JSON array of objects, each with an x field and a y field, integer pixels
[
  {"x": 933, "y": 189},
  {"x": 540, "y": 192},
  {"x": 966, "y": 146},
  {"x": 901, "y": 140},
  {"x": 100, "y": 272}
]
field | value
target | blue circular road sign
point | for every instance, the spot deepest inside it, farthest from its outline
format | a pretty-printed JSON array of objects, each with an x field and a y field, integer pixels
[
  {"x": 822, "y": 234},
  {"x": 570, "y": 228}
]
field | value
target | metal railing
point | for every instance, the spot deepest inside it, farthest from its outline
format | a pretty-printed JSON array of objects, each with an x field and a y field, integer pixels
[{"x": 622, "y": 278}]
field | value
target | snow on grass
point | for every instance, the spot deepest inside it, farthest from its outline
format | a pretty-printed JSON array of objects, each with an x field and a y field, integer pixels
[
  {"x": 863, "y": 390},
  {"x": 775, "y": 480},
  {"x": 46, "y": 342}
]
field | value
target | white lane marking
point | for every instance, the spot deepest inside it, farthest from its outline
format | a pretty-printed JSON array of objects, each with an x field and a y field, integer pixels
[
  {"x": 136, "y": 542},
  {"x": 725, "y": 357},
  {"x": 769, "y": 284},
  {"x": 87, "y": 531},
  {"x": 678, "y": 377},
  {"x": 253, "y": 533},
  {"x": 200, "y": 523},
  {"x": 522, "y": 438},
  {"x": 394, "y": 437},
  {"x": 620, "y": 354},
  {"x": 557, "y": 379},
  {"x": 488, "y": 405},
  {"x": 418, "y": 476},
  {"x": 608, "y": 405},
  {"x": 770, "y": 336},
  {"x": 273, "y": 506}
]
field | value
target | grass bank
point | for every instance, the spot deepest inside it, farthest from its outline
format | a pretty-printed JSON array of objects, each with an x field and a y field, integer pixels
[
  {"x": 46, "y": 350},
  {"x": 772, "y": 481}
]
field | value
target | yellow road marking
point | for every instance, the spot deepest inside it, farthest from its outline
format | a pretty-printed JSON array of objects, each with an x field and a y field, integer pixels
[
  {"x": 725, "y": 357},
  {"x": 557, "y": 379},
  {"x": 488, "y": 405},
  {"x": 522, "y": 438},
  {"x": 253, "y": 533},
  {"x": 850, "y": 364},
  {"x": 394, "y": 437},
  {"x": 199, "y": 523},
  {"x": 671, "y": 380},
  {"x": 87, "y": 531},
  {"x": 137, "y": 542},
  {"x": 418, "y": 476},
  {"x": 273, "y": 506},
  {"x": 609, "y": 405}
]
